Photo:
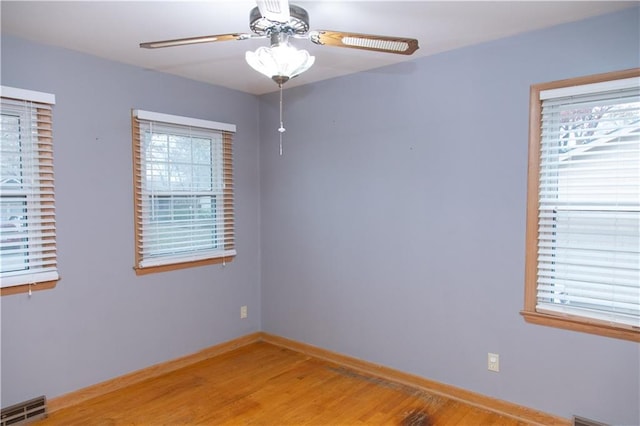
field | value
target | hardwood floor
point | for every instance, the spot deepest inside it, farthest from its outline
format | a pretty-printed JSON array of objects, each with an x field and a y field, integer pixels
[{"x": 264, "y": 384}]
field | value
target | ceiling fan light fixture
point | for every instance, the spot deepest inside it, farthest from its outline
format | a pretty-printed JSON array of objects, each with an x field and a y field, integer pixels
[{"x": 280, "y": 62}]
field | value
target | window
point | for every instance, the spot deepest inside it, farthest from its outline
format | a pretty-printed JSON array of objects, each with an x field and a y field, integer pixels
[
  {"x": 27, "y": 205},
  {"x": 583, "y": 215},
  {"x": 183, "y": 192}
]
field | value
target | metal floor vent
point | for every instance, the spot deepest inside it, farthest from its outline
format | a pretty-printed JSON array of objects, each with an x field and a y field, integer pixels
[
  {"x": 581, "y": 421},
  {"x": 24, "y": 412}
]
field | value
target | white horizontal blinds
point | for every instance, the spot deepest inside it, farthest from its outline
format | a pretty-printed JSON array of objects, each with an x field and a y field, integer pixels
[
  {"x": 589, "y": 203},
  {"x": 184, "y": 192},
  {"x": 27, "y": 204}
]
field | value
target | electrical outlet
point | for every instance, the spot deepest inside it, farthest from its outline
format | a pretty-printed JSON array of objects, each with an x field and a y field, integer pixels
[
  {"x": 493, "y": 362},
  {"x": 243, "y": 312}
]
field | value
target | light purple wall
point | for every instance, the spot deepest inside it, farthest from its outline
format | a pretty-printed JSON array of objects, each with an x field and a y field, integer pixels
[
  {"x": 393, "y": 226},
  {"x": 102, "y": 320}
]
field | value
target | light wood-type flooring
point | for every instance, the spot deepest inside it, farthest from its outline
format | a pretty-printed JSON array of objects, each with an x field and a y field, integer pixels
[{"x": 264, "y": 384}]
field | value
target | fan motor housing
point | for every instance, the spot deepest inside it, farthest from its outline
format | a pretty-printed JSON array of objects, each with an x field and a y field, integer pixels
[{"x": 298, "y": 23}]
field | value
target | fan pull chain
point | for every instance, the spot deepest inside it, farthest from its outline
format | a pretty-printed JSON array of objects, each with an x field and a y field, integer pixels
[{"x": 281, "y": 129}]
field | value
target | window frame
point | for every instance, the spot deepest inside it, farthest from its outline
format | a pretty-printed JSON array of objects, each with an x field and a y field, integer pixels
[
  {"x": 227, "y": 252},
  {"x": 530, "y": 314},
  {"x": 41, "y": 104}
]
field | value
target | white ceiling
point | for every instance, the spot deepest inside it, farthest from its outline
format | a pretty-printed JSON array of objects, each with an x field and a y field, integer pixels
[{"x": 113, "y": 30}]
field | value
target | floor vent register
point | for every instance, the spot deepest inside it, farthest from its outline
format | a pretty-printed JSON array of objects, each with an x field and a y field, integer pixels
[{"x": 24, "y": 412}]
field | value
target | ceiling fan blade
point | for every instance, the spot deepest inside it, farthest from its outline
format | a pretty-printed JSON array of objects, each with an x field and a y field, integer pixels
[
  {"x": 378, "y": 43},
  {"x": 194, "y": 40},
  {"x": 274, "y": 10}
]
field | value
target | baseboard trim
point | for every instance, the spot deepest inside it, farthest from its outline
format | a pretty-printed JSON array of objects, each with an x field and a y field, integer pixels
[
  {"x": 504, "y": 408},
  {"x": 84, "y": 394},
  {"x": 501, "y": 407}
]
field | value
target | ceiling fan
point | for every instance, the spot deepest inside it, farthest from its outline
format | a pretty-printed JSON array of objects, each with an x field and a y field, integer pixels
[{"x": 280, "y": 21}]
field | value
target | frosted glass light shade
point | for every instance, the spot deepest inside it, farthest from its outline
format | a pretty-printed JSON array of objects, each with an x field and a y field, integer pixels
[{"x": 280, "y": 62}]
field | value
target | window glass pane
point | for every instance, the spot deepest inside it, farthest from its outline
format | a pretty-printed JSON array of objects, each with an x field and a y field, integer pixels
[
  {"x": 179, "y": 175},
  {"x": 13, "y": 233},
  {"x": 201, "y": 151},
  {"x": 13, "y": 240},
  {"x": 202, "y": 178},
  {"x": 10, "y": 154},
  {"x": 585, "y": 124},
  {"x": 178, "y": 163}
]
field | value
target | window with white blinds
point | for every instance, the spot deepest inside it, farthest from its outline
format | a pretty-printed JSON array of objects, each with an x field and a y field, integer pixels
[
  {"x": 183, "y": 191},
  {"x": 587, "y": 245},
  {"x": 27, "y": 205}
]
